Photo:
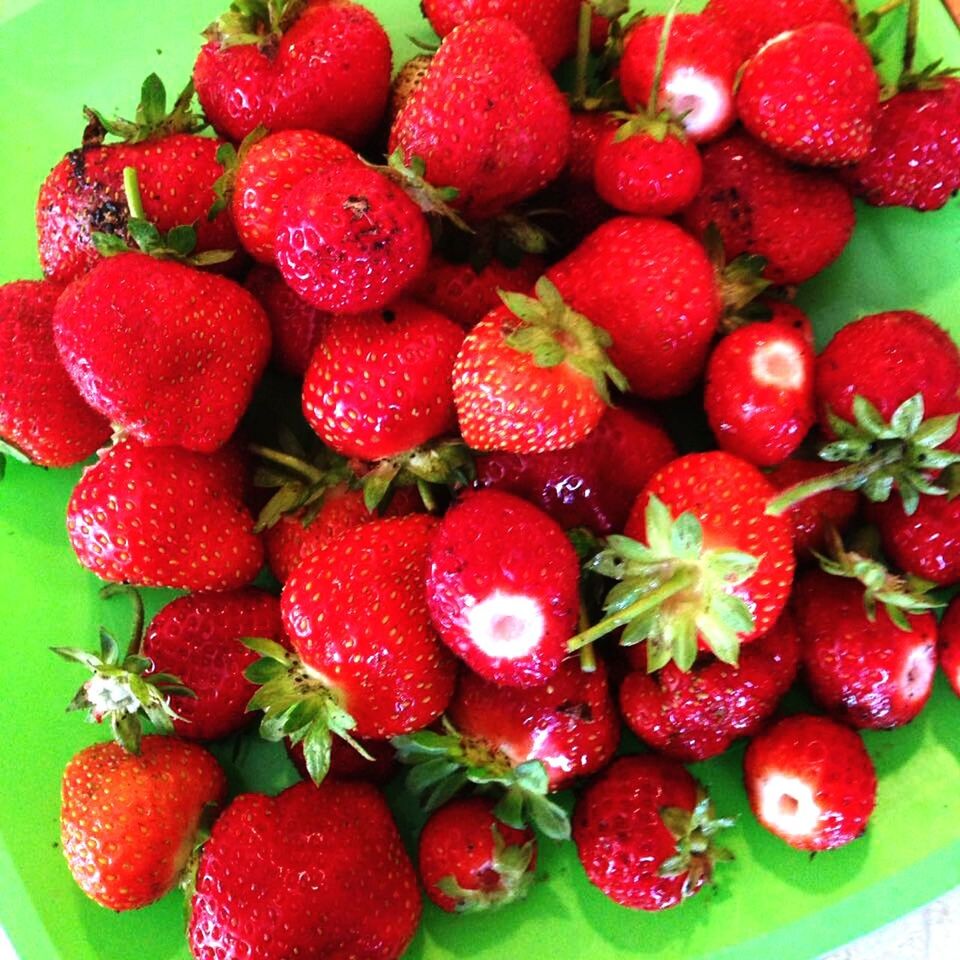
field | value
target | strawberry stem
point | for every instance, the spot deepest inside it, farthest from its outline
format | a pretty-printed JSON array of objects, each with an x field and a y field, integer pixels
[
  {"x": 583, "y": 53},
  {"x": 588, "y": 656},
  {"x": 294, "y": 464},
  {"x": 139, "y": 615},
  {"x": 131, "y": 189},
  {"x": 910, "y": 45},
  {"x": 652, "y": 103}
]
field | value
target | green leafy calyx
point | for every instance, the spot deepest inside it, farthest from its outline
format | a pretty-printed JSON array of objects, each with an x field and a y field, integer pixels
[
  {"x": 411, "y": 178},
  {"x": 262, "y": 22},
  {"x": 435, "y": 469},
  {"x": 697, "y": 853}
]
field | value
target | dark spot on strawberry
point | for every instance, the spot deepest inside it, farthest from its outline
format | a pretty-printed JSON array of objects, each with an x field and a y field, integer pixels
[
  {"x": 78, "y": 163},
  {"x": 389, "y": 316},
  {"x": 109, "y": 217}
]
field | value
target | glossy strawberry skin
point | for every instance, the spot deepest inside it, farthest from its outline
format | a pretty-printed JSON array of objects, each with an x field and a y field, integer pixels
[
  {"x": 197, "y": 638},
  {"x": 83, "y": 194},
  {"x": 487, "y": 119},
  {"x": 503, "y": 588},
  {"x": 379, "y": 384},
  {"x": 348, "y": 764},
  {"x": 831, "y": 763},
  {"x": 356, "y": 614},
  {"x": 592, "y": 484},
  {"x": 868, "y": 673},
  {"x": 162, "y": 517},
  {"x": 759, "y": 392},
  {"x": 349, "y": 240},
  {"x": 315, "y": 871},
  {"x": 798, "y": 220},
  {"x": 41, "y": 412},
  {"x": 128, "y": 822},
  {"x": 949, "y": 647},
  {"x": 811, "y": 95},
  {"x": 651, "y": 286},
  {"x": 267, "y": 171},
  {"x": 697, "y": 715},
  {"x": 164, "y": 374},
  {"x": 330, "y": 72},
  {"x": 587, "y": 130},
  {"x": 620, "y": 836},
  {"x": 570, "y": 723},
  {"x": 926, "y": 544}
]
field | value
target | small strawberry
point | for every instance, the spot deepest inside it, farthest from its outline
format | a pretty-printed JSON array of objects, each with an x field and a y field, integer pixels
[
  {"x": 759, "y": 392},
  {"x": 319, "y": 65},
  {"x": 162, "y": 517},
  {"x": 377, "y": 764},
  {"x": 42, "y": 417},
  {"x": 128, "y": 823},
  {"x": 487, "y": 119},
  {"x": 950, "y": 646},
  {"x": 469, "y": 861},
  {"x": 811, "y": 95},
  {"x": 926, "y": 542},
  {"x": 644, "y": 833},
  {"x": 531, "y": 376},
  {"x": 799, "y": 221},
  {"x": 592, "y": 484},
  {"x": 697, "y": 715},
  {"x": 502, "y": 588},
  {"x": 312, "y": 872},
  {"x": 811, "y": 782}
]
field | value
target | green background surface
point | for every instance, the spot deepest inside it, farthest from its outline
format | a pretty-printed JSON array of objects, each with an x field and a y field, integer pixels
[{"x": 772, "y": 902}]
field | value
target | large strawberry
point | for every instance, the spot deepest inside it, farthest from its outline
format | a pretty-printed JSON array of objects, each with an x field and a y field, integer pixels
[
  {"x": 487, "y": 119},
  {"x": 312, "y": 872},
  {"x": 295, "y": 64},
  {"x": 163, "y": 517},
  {"x": 84, "y": 193},
  {"x": 42, "y": 417},
  {"x": 129, "y": 822}
]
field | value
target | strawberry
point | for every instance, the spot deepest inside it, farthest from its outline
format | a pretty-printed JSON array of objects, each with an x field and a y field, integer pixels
[
  {"x": 378, "y": 766},
  {"x": 592, "y": 484},
  {"x": 379, "y": 384},
  {"x": 701, "y": 565},
  {"x": 697, "y": 715},
  {"x": 950, "y": 646},
  {"x": 644, "y": 832},
  {"x": 42, "y": 417},
  {"x": 350, "y": 240},
  {"x": 586, "y": 132},
  {"x": 759, "y": 392},
  {"x": 696, "y": 83},
  {"x": 162, "y": 373},
  {"x": 319, "y": 65},
  {"x": 295, "y": 325},
  {"x": 162, "y": 517},
  {"x": 652, "y": 288},
  {"x": 487, "y": 119},
  {"x": 312, "y": 872},
  {"x": 872, "y": 668},
  {"x": 811, "y": 782},
  {"x": 550, "y": 25},
  {"x": 811, "y": 95},
  {"x": 799, "y": 221},
  {"x": 84, "y": 193},
  {"x": 470, "y": 862},
  {"x": 128, "y": 822},
  {"x": 407, "y": 79},
  {"x": 531, "y": 376},
  {"x": 502, "y": 588},
  {"x": 925, "y": 543}
]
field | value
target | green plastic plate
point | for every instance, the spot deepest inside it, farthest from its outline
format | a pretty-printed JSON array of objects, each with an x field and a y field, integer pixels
[{"x": 772, "y": 902}]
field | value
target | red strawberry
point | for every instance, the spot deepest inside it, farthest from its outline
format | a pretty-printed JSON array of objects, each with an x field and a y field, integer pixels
[
  {"x": 810, "y": 781},
  {"x": 861, "y": 664},
  {"x": 925, "y": 543},
  {"x": 469, "y": 861},
  {"x": 197, "y": 639},
  {"x": 128, "y": 822},
  {"x": 346, "y": 763},
  {"x": 790, "y": 315},
  {"x": 503, "y": 588},
  {"x": 811, "y": 95},
  {"x": 643, "y": 830},
  {"x": 162, "y": 517},
  {"x": 321, "y": 65},
  {"x": 799, "y": 221},
  {"x": 312, "y": 872},
  {"x": 266, "y": 172},
  {"x": 169, "y": 354},
  {"x": 550, "y": 25},
  {"x": 487, "y": 119},
  {"x": 696, "y": 84},
  {"x": 651, "y": 286},
  {"x": 349, "y": 239},
  {"x": 950, "y": 646},
  {"x": 914, "y": 156},
  {"x": 586, "y": 132},
  {"x": 379, "y": 384},
  {"x": 697, "y": 715},
  {"x": 759, "y": 392},
  {"x": 41, "y": 414}
]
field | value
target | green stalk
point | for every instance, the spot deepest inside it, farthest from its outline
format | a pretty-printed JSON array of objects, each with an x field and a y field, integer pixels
[
  {"x": 285, "y": 460},
  {"x": 583, "y": 53},
  {"x": 910, "y": 46},
  {"x": 652, "y": 103},
  {"x": 588, "y": 656},
  {"x": 139, "y": 615},
  {"x": 131, "y": 189}
]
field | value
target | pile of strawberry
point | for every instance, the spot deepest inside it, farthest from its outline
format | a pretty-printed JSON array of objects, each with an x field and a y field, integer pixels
[{"x": 488, "y": 551}]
